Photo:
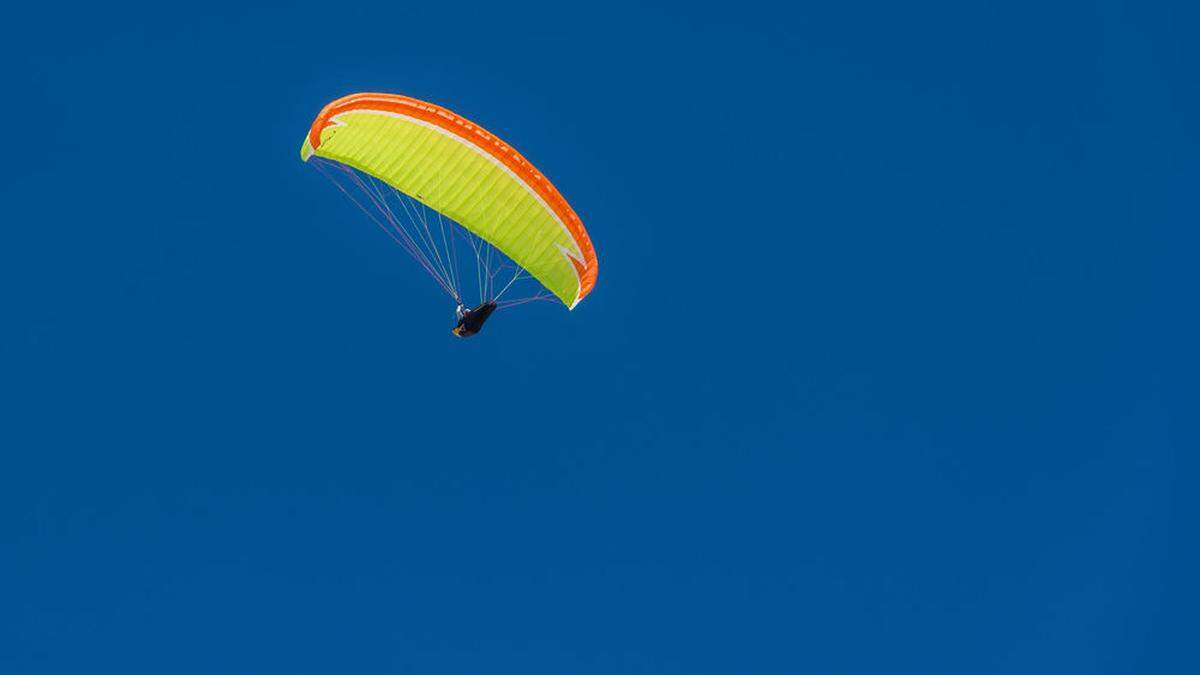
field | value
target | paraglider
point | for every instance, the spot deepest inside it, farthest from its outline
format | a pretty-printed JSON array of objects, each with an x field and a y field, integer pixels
[
  {"x": 443, "y": 188},
  {"x": 470, "y": 321}
]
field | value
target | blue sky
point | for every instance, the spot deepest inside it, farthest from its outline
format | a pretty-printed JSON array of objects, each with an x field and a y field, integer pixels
[{"x": 890, "y": 367}]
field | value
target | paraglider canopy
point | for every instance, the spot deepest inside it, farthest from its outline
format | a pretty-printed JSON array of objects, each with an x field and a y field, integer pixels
[{"x": 433, "y": 179}]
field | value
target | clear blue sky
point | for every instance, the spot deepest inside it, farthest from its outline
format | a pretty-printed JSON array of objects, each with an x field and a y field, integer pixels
[{"x": 887, "y": 370}]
